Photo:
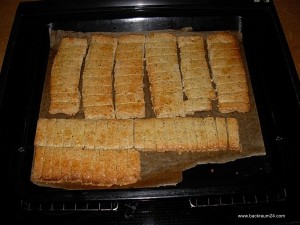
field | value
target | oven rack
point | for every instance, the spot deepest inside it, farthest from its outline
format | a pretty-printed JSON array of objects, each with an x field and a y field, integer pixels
[
  {"x": 239, "y": 199},
  {"x": 250, "y": 198},
  {"x": 100, "y": 206}
]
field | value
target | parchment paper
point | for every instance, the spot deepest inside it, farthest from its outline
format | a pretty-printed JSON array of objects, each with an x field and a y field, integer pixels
[{"x": 165, "y": 168}]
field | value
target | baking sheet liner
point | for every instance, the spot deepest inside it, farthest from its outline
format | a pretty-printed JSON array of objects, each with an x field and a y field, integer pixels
[{"x": 165, "y": 168}]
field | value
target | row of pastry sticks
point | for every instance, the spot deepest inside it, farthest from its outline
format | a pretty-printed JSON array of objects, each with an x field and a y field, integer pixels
[
  {"x": 165, "y": 134},
  {"x": 72, "y": 153},
  {"x": 118, "y": 64},
  {"x": 73, "y": 168}
]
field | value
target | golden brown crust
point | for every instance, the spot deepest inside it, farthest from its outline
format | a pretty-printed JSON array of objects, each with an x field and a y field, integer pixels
[
  {"x": 92, "y": 112},
  {"x": 224, "y": 62},
  {"x": 90, "y": 166},
  {"x": 76, "y": 168},
  {"x": 162, "y": 68},
  {"x": 58, "y": 72},
  {"x": 130, "y": 110},
  {"x": 98, "y": 63},
  {"x": 144, "y": 134},
  {"x": 234, "y": 97},
  {"x": 195, "y": 74},
  {"x": 40, "y": 134},
  {"x": 100, "y": 51},
  {"x": 97, "y": 81},
  {"x": 190, "y": 40},
  {"x": 228, "y": 70},
  {"x": 171, "y": 87},
  {"x": 223, "y": 46},
  {"x": 158, "y": 59},
  {"x": 228, "y": 107},
  {"x": 89, "y": 138},
  {"x": 103, "y": 39},
  {"x": 128, "y": 89},
  {"x": 222, "y": 133},
  {"x": 129, "y": 63},
  {"x": 135, "y": 97},
  {"x": 56, "y": 163},
  {"x": 61, "y": 63},
  {"x": 70, "y": 108},
  {"x": 232, "y": 78},
  {"x": 65, "y": 75},
  {"x": 134, "y": 55},
  {"x": 70, "y": 41},
  {"x": 197, "y": 93},
  {"x": 126, "y": 71},
  {"x": 195, "y": 105},
  {"x": 233, "y": 134},
  {"x": 129, "y": 72},
  {"x": 164, "y": 76},
  {"x": 228, "y": 73},
  {"x": 132, "y": 38},
  {"x": 221, "y": 37},
  {"x": 189, "y": 63},
  {"x": 168, "y": 45},
  {"x": 101, "y": 153},
  {"x": 98, "y": 100},
  {"x": 202, "y": 72},
  {"x": 200, "y": 133},
  {"x": 191, "y": 139},
  {"x": 160, "y": 52},
  {"x": 161, "y": 63},
  {"x": 224, "y": 53},
  {"x": 194, "y": 49},
  {"x": 37, "y": 164},
  {"x": 129, "y": 47},
  {"x": 86, "y": 134},
  {"x": 65, "y": 57},
  {"x": 156, "y": 36},
  {"x": 232, "y": 88},
  {"x": 74, "y": 50},
  {"x": 197, "y": 82},
  {"x": 211, "y": 133},
  {"x": 184, "y": 134},
  {"x": 95, "y": 72},
  {"x": 168, "y": 105}
]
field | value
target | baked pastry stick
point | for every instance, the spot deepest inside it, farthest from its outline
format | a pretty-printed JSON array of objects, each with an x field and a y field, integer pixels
[
  {"x": 195, "y": 74},
  {"x": 128, "y": 77},
  {"x": 77, "y": 168},
  {"x": 65, "y": 75},
  {"x": 233, "y": 134},
  {"x": 97, "y": 96},
  {"x": 186, "y": 134},
  {"x": 228, "y": 73},
  {"x": 87, "y": 134},
  {"x": 164, "y": 75}
]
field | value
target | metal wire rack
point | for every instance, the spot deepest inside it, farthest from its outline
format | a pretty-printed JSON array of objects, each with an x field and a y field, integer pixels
[
  {"x": 238, "y": 199},
  {"x": 70, "y": 206},
  {"x": 194, "y": 202}
]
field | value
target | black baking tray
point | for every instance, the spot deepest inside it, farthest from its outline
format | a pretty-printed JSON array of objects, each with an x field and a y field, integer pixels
[{"x": 255, "y": 180}]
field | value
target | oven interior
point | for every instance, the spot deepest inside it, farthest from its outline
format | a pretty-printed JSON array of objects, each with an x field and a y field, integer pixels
[{"x": 245, "y": 183}]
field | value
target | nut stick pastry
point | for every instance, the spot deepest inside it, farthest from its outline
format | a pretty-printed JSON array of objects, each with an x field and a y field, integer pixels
[
  {"x": 195, "y": 74},
  {"x": 228, "y": 73},
  {"x": 128, "y": 77},
  {"x": 164, "y": 75},
  {"x": 97, "y": 89},
  {"x": 65, "y": 75}
]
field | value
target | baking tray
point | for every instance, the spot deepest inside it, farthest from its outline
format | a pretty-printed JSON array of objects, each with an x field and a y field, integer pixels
[{"x": 273, "y": 78}]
